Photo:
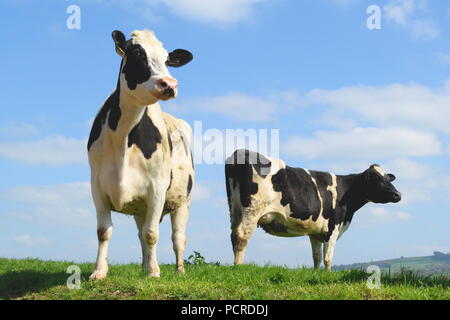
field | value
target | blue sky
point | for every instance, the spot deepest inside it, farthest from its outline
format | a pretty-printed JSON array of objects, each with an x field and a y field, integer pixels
[{"x": 342, "y": 96}]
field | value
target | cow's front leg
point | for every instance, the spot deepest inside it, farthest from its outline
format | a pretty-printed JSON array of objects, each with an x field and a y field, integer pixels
[
  {"x": 140, "y": 220},
  {"x": 316, "y": 246},
  {"x": 104, "y": 232},
  {"x": 179, "y": 220},
  {"x": 328, "y": 248},
  {"x": 150, "y": 231}
]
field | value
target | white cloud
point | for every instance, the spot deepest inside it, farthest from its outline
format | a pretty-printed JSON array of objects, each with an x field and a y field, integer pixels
[
  {"x": 19, "y": 130},
  {"x": 239, "y": 106},
  {"x": 29, "y": 241},
  {"x": 404, "y": 12},
  {"x": 67, "y": 194},
  {"x": 364, "y": 143},
  {"x": 68, "y": 204},
  {"x": 52, "y": 150},
  {"x": 399, "y": 11},
  {"x": 222, "y": 11},
  {"x": 381, "y": 215},
  {"x": 443, "y": 57},
  {"x": 412, "y": 105},
  {"x": 408, "y": 169}
]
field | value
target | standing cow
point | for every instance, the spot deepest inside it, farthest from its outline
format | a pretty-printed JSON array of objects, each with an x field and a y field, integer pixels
[
  {"x": 140, "y": 157},
  {"x": 293, "y": 202}
]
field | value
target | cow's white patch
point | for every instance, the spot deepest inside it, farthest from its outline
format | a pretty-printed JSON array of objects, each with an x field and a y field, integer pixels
[
  {"x": 333, "y": 189},
  {"x": 276, "y": 165},
  {"x": 156, "y": 54}
]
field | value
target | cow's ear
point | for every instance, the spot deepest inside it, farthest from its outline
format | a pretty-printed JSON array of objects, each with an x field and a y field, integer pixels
[
  {"x": 178, "y": 58},
  {"x": 120, "y": 42},
  {"x": 391, "y": 177}
]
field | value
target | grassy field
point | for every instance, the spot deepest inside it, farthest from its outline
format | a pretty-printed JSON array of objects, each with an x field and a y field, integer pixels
[{"x": 36, "y": 279}]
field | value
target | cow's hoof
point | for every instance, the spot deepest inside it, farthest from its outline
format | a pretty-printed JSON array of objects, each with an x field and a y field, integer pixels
[
  {"x": 98, "y": 275},
  {"x": 154, "y": 275},
  {"x": 181, "y": 270}
]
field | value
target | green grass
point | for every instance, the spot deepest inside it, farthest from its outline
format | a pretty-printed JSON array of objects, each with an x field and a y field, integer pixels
[{"x": 36, "y": 279}]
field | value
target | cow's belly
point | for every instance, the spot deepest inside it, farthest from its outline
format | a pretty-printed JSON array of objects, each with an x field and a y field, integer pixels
[
  {"x": 129, "y": 197},
  {"x": 281, "y": 226},
  {"x": 134, "y": 207},
  {"x": 128, "y": 190}
]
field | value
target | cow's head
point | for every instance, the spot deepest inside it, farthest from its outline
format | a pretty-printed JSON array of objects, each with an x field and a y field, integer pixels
[
  {"x": 144, "y": 74},
  {"x": 378, "y": 186}
]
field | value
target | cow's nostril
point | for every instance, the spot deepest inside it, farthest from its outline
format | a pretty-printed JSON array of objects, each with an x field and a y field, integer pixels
[
  {"x": 163, "y": 84},
  {"x": 169, "y": 92}
]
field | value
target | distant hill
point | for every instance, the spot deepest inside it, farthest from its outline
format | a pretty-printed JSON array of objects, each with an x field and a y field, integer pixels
[{"x": 438, "y": 263}]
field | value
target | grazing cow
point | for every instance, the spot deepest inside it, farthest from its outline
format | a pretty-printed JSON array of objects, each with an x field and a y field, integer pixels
[
  {"x": 140, "y": 157},
  {"x": 293, "y": 202}
]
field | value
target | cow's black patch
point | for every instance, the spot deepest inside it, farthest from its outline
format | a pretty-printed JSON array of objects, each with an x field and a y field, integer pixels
[
  {"x": 114, "y": 115},
  {"x": 351, "y": 191},
  {"x": 145, "y": 136},
  {"x": 192, "y": 160},
  {"x": 171, "y": 179},
  {"x": 323, "y": 181},
  {"x": 170, "y": 142},
  {"x": 297, "y": 190},
  {"x": 240, "y": 171},
  {"x": 136, "y": 68},
  {"x": 100, "y": 119},
  {"x": 259, "y": 162},
  {"x": 274, "y": 228},
  {"x": 262, "y": 165},
  {"x": 189, "y": 185},
  {"x": 112, "y": 106}
]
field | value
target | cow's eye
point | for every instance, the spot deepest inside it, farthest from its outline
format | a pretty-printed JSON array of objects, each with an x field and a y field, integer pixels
[{"x": 136, "y": 52}]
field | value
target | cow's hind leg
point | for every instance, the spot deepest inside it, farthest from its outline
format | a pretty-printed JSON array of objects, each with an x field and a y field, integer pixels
[
  {"x": 242, "y": 226},
  {"x": 104, "y": 232},
  {"x": 316, "y": 246},
  {"x": 179, "y": 220}
]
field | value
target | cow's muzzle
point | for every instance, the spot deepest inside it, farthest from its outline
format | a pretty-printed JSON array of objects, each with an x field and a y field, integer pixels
[
  {"x": 396, "y": 197},
  {"x": 166, "y": 88}
]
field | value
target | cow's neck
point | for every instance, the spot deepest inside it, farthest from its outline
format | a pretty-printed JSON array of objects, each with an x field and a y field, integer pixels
[
  {"x": 352, "y": 197},
  {"x": 131, "y": 111}
]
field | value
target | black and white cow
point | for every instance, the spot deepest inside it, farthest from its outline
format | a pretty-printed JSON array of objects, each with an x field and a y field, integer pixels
[
  {"x": 140, "y": 157},
  {"x": 293, "y": 202}
]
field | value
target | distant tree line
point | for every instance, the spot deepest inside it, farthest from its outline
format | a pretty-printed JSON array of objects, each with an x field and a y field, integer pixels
[
  {"x": 441, "y": 265},
  {"x": 441, "y": 256}
]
